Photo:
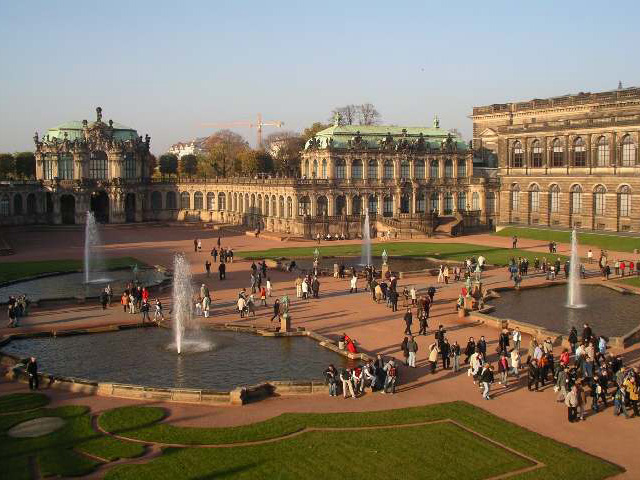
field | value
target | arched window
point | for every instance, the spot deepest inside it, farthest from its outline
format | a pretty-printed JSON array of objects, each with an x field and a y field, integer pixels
[
  {"x": 404, "y": 169},
  {"x": 322, "y": 206},
  {"x": 372, "y": 170},
  {"x": 387, "y": 206},
  {"x": 98, "y": 165},
  {"x": 222, "y": 202},
  {"x": 17, "y": 204},
  {"x": 462, "y": 168},
  {"x": 624, "y": 201},
  {"x": 448, "y": 203},
  {"x": 490, "y": 201},
  {"x": 387, "y": 170},
  {"x": 304, "y": 206},
  {"x": 4, "y": 206},
  {"x": 266, "y": 205},
  {"x": 475, "y": 201},
  {"x": 198, "y": 201},
  {"x": 47, "y": 165},
  {"x": 534, "y": 198},
  {"x": 356, "y": 170},
  {"x": 518, "y": 155},
  {"x": 579, "y": 153},
  {"x": 289, "y": 207},
  {"x": 462, "y": 201},
  {"x": 557, "y": 158},
  {"x": 274, "y": 206},
  {"x": 65, "y": 166},
  {"x": 420, "y": 170},
  {"x": 340, "y": 169},
  {"x": 171, "y": 201},
  {"x": 31, "y": 204},
  {"x": 536, "y": 154},
  {"x": 211, "y": 201},
  {"x": 305, "y": 169},
  {"x": 420, "y": 202},
  {"x": 129, "y": 165},
  {"x": 599, "y": 200},
  {"x": 341, "y": 205},
  {"x": 576, "y": 199},
  {"x": 281, "y": 211},
  {"x": 314, "y": 173},
  {"x": 156, "y": 201},
  {"x": 554, "y": 199},
  {"x": 448, "y": 169},
  {"x": 324, "y": 168},
  {"x": 356, "y": 205},
  {"x": 515, "y": 198},
  {"x": 259, "y": 204},
  {"x": 435, "y": 202},
  {"x": 185, "y": 201},
  {"x": 628, "y": 152},
  {"x": 373, "y": 204},
  {"x": 603, "y": 152},
  {"x": 434, "y": 169},
  {"x": 405, "y": 203}
]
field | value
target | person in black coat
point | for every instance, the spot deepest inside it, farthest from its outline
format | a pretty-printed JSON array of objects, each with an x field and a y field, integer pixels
[
  {"x": 573, "y": 339},
  {"x": 482, "y": 346},
  {"x": 222, "y": 269},
  {"x": 408, "y": 320},
  {"x": 32, "y": 373},
  {"x": 470, "y": 349},
  {"x": 503, "y": 341},
  {"x": 445, "y": 351},
  {"x": 586, "y": 332}
]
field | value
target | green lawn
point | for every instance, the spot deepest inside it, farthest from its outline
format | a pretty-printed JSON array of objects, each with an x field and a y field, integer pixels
[
  {"x": 444, "y": 251},
  {"x": 19, "y": 402},
  {"x": 57, "y": 453},
  {"x": 12, "y": 271},
  {"x": 437, "y": 450},
  {"x": 607, "y": 242},
  {"x": 632, "y": 281}
]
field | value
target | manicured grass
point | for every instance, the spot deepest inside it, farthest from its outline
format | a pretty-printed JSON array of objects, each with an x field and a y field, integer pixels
[
  {"x": 616, "y": 243},
  {"x": 633, "y": 281},
  {"x": 12, "y": 271},
  {"x": 18, "y": 402},
  {"x": 430, "y": 451},
  {"x": 443, "y": 251},
  {"x": 57, "y": 452}
]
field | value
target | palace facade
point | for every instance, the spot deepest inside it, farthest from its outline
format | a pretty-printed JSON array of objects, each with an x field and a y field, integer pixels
[{"x": 569, "y": 161}]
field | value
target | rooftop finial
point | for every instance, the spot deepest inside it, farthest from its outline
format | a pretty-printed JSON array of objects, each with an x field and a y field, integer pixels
[
  {"x": 436, "y": 121},
  {"x": 619, "y": 84},
  {"x": 99, "y": 114}
]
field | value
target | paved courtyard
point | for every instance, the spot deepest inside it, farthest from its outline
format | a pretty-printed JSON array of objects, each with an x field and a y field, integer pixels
[{"x": 374, "y": 327}]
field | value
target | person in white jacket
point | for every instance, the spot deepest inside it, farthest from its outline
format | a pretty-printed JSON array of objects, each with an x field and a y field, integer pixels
[
  {"x": 354, "y": 284},
  {"x": 517, "y": 339}
]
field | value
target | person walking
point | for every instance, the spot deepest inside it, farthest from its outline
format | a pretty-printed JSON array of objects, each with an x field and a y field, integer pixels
[
  {"x": 433, "y": 357},
  {"x": 514, "y": 242},
  {"x": 455, "y": 354},
  {"x": 412, "y": 346},
  {"x": 517, "y": 338},
  {"x": 347, "y": 382},
  {"x": 207, "y": 267},
  {"x": 470, "y": 349},
  {"x": 571, "y": 401},
  {"x": 486, "y": 378},
  {"x": 124, "y": 301},
  {"x": 222, "y": 271},
  {"x": 144, "y": 310},
  {"x": 404, "y": 348},
  {"x": 503, "y": 370},
  {"x": 408, "y": 320},
  {"x": 109, "y": 293},
  {"x": 353, "y": 285},
  {"x": 158, "y": 311},
  {"x": 276, "y": 310},
  {"x": 391, "y": 377}
]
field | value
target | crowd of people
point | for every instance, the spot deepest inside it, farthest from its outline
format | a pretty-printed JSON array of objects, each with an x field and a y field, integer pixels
[
  {"x": 378, "y": 375},
  {"x": 17, "y": 307}
]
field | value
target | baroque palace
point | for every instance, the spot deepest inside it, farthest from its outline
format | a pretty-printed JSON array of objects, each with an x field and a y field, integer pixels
[{"x": 567, "y": 161}]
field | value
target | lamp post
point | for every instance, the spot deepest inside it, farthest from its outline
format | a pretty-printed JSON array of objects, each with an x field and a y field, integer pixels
[{"x": 385, "y": 256}]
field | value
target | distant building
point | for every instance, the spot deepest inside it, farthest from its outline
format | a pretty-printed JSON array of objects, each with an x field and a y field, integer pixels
[{"x": 194, "y": 147}]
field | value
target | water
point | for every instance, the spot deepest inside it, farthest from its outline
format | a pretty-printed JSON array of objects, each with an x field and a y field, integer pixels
[
  {"x": 93, "y": 262},
  {"x": 366, "y": 240},
  {"x": 574, "y": 295},
  {"x": 187, "y": 337},
  {"x": 142, "y": 357}
]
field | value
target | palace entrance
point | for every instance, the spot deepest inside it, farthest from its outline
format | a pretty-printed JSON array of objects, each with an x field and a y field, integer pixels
[
  {"x": 130, "y": 207},
  {"x": 68, "y": 209},
  {"x": 100, "y": 206}
]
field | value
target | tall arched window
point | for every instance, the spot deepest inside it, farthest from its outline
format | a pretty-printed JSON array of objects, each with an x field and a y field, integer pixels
[
  {"x": 305, "y": 169},
  {"x": 599, "y": 200},
  {"x": 420, "y": 170},
  {"x": 17, "y": 204},
  {"x": 462, "y": 201},
  {"x": 448, "y": 168},
  {"x": 185, "y": 201},
  {"x": 557, "y": 158},
  {"x": 281, "y": 211},
  {"x": 624, "y": 201},
  {"x": 341, "y": 205},
  {"x": 372, "y": 170},
  {"x": 197, "y": 201},
  {"x": 435, "y": 202},
  {"x": 448, "y": 203},
  {"x": 322, "y": 206},
  {"x": 171, "y": 201},
  {"x": 289, "y": 207},
  {"x": 4, "y": 206},
  {"x": 324, "y": 168},
  {"x": 475, "y": 201},
  {"x": 536, "y": 154},
  {"x": 554, "y": 199},
  {"x": 222, "y": 201},
  {"x": 579, "y": 153},
  {"x": 576, "y": 199},
  {"x": 340, "y": 169},
  {"x": 65, "y": 166},
  {"x": 404, "y": 169},
  {"x": 603, "y": 152},
  {"x": 98, "y": 165},
  {"x": 518, "y": 155},
  {"x": 129, "y": 165},
  {"x": 211, "y": 201},
  {"x": 534, "y": 198},
  {"x": 490, "y": 201},
  {"x": 356, "y": 170},
  {"x": 405, "y": 203},
  {"x": 420, "y": 202},
  {"x": 434, "y": 169},
  {"x": 388, "y": 170},
  {"x": 47, "y": 165},
  {"x": 373, "y": 204},
  {"x": 387, "y": 206},
  {"x": 356, "y": 205},
  {"x": 515, "y": 198},
  {"x": 628, "y": 152},
  {"x": 304, "y": 206},
  {"x": 267, "y": 210},
  {"x": 462, "y": 168},
  {"x": 156, "y": 201},
  {"x": 314, "y": 173}
]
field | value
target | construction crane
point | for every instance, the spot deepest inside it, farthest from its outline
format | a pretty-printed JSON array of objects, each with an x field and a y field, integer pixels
[{"x": 259, "y": 125}]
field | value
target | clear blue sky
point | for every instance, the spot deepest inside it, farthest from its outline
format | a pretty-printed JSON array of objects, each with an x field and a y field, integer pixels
[{"x": 166, "y": 67}]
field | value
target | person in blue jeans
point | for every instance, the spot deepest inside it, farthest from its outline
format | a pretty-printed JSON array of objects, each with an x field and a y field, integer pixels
[
  {"x": 391, "y": 378},
  {"x": 618, "y": 403}
]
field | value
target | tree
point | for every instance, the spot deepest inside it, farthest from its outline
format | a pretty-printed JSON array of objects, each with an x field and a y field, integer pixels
[
  {"x": 168, "y": 164},
  {"x": 364, "y": 114},
  {"x": 223, "y": 148},
  {"x": 348, "y": 115},
  {"x": 312, "y": 130},
  {"x": 152, "y": 163},
  {"x": 368, "y": 115},
  {"x": 25, "y": 164},
  {"x": 285, "y": 148},
  {"x": 7, "y": 165},
  {"x": 255, "y": 161},
  {"x": 188, "y": 165}
]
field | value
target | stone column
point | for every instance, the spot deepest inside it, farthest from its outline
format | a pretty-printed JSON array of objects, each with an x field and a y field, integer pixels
[
  {"x": 440, "y": 203},
  {"x": 412, "y": 200},
  {"x": 313, "y": 198},
  {"x": 39, "y": 165},
  {"x": 330, "y": 205},
  {"x": 441, "y": 167},
  {"x": 348, "y": 204},
  {"x": 139, "y": 204},
  {"x": 349, "y": 165},
  {"x": 381, "y": 168}
]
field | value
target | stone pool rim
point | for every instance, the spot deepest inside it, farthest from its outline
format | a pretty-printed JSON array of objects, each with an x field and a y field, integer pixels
[
  {"x": 240, "y": 395},
  {"x": 537, "y": 331}
]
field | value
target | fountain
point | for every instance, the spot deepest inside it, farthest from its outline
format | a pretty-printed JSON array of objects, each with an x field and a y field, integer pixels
[
  {"x": 93, "y": 262},
  {"x": 366, "y": 240},
  {"x": 574, "y": 297},
  {"x": 186, "y": 329}
]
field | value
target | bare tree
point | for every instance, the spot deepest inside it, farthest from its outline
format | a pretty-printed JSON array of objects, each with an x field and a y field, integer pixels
[
  {"x": 348, "y": 114},
  {"x": 368, "y": 115}
]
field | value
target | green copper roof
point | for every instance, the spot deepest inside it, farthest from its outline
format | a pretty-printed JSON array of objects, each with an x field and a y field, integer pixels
[
  {"x": 74, "y": 131},
  {"x": 371, "y": 136}
]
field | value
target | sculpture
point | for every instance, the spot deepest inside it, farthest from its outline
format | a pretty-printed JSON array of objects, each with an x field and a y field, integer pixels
[
  {"x": 336, "y": 119},
  {"x": 99, "y": 114},
  {"x": 436, "y": 122}
]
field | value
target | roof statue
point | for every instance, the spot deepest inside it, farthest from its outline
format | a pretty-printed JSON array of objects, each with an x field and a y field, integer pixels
[
  {"x": 336, "y": 119},
  {"x": 99, "y": 114},
  {"x": 436, "y": 121}
]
